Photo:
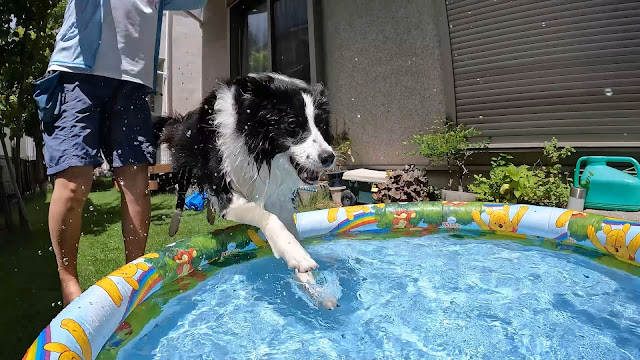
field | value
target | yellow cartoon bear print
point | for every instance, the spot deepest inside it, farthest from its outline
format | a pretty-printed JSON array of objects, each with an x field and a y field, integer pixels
[
  {"x": 127, "y": 273},
  {"x": 499, "y": 220},
  {"x": 568, "y": 215},
  {"x": 332, "y": 215},
  {"x": 616, "y": 242},
  {"x": 81, "y": 338}
]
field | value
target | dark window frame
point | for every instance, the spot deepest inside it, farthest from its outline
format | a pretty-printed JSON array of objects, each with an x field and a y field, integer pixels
[{"x": 236, "y": 28}]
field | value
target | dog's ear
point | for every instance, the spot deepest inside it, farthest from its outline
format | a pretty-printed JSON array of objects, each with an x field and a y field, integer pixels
[
  {"x": 319, "y": 92},
  {"x": 323, "y": 112}
]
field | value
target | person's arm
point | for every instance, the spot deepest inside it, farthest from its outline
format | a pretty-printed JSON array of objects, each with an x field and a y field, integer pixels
[{"x": 172, "y": 5}]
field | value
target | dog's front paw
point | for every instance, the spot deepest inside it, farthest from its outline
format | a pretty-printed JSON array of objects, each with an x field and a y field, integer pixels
[
  {"x": 285, "y": 245},
  {"x": 297, "y": 257}
]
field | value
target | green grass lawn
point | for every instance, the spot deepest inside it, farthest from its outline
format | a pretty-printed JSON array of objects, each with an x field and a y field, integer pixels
[
  {"x": 101, "y": 246},
  {"x": 30, "y": 290}
]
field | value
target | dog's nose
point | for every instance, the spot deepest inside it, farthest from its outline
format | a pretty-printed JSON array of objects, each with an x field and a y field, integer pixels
[{"x": 326, "y": 158}]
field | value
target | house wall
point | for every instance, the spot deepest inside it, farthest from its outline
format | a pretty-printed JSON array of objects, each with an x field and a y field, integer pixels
[
  {"x": 215, "y": 44},
  {"x": 384, "y": 75},
  {"x": 186, "y": 63}
]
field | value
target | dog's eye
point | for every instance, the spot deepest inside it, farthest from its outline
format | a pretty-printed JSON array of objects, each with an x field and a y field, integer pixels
[{"x": 291, "y": 125}]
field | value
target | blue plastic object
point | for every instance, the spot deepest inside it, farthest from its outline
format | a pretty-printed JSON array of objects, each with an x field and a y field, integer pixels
[
  {"x": 608, "y": 188},
  {"x": 195, "y": 201}
]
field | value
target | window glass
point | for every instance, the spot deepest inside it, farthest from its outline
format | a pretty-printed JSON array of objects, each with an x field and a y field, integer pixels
[
  {"x": 255, "y": 42},
  {"x": 291, "y": 38}
]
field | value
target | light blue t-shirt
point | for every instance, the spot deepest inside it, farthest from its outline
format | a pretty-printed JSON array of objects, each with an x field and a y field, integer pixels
[
  {"x": 128, "y": 41},
  {"x": 115, "y": 38}
]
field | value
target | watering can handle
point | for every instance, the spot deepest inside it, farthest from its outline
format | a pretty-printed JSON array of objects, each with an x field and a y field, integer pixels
[{"x": 605, "y": 159}]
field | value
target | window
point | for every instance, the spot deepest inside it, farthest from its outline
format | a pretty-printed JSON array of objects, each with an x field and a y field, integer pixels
[
  {"x": 291, "y": 39},
  {"x": 272, "y": 35}
]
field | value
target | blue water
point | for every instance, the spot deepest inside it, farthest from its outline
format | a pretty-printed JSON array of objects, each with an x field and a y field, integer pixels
[{"x": 423, "y": 298}]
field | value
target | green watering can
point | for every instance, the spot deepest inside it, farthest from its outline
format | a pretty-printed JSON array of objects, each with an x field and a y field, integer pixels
[{"x": 608, "y": 188}]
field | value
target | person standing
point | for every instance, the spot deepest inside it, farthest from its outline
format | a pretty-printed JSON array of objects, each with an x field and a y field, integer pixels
[{"x": 92, "y": 103}]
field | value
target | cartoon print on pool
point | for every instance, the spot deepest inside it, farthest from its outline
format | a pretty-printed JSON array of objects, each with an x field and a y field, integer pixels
[
  {"x": 351, "y": 211},
  {"x": 81, "y": 338},
  {"x": 256, "y": 239},
  {"x": 402, "y": 218},
  {"x": 184, "y": 258},
  {"x": 616, "y": 241},
  {"x": 499, "y": 219},
  {"x": 127, "y": 273},
  {"x": 568, "y": 215}
]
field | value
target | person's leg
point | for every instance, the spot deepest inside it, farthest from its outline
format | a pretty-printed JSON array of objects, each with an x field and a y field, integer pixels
[
  {"x": 131, "y": 148},
  {"x": 72, "y": 150},
  {"x": 65, "y": 219},
  {"x": 133, "y": 181}
]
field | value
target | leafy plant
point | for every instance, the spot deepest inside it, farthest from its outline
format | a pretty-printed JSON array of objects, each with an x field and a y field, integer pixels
[
  {"x": 409, "y": 184},
  {"x": 342, "y": 149},
  {"x": 449, "y": 144},
  {"x": 545, "y": 185}
]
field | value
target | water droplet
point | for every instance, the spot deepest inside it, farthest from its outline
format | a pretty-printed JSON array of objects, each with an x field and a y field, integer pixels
[
  {"x": 53, "y": 304},
  {"x": 480, "y": 116},
  {"x": 50, "y": 248},
  {"x": 91, "y": 207},
  {"x": 60, "y": 303},
  {"x": 248, "y": 111},
  {"x": 164, "y": 217},
  {"x": 189, "y": 133},
  {"x": 39, "y": 252},
  {"x": 608, "y": 91},
  {"x": 356, "y": 59},
  {"x": 358, "y": 115},
  {"x": 543, "y": 24},
  {"x": 65, "y": 261},
  {"x": 119, "y": 151}
]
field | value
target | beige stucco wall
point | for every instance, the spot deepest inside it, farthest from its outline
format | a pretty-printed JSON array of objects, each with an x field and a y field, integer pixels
[
  {"x": 215, "y": 44},
  {"x": 186, "y": 62},
  {"x": 383, "y": 72}
]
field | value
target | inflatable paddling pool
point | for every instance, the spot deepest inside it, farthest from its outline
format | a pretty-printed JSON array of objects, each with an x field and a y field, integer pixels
[{"x": 116, "y": 317}]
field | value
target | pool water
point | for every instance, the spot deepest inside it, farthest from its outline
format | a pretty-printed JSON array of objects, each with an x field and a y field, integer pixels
[{"x": 431, "y": 297}]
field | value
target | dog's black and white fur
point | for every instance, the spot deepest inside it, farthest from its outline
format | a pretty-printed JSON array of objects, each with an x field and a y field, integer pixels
[{"x": 249, "y": 145}]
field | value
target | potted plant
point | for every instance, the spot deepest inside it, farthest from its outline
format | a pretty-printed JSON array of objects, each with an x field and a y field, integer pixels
[{"x": 450, "y": 144}]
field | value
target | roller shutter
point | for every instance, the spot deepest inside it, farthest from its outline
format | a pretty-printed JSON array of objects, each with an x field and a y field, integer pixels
[{"x": 527, "y": 70}]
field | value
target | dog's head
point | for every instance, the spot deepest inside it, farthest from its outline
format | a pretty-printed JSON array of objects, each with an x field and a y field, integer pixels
[{"x": 276, "y": 114}]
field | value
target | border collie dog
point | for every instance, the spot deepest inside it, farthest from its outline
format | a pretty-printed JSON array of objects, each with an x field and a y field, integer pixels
[{"x": 249, "y": 145}]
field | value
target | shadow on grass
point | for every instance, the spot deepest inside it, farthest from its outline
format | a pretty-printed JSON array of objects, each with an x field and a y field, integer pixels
[{"x": 29, "y": 282}]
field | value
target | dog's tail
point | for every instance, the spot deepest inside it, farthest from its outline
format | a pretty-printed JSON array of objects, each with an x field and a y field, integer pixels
[{"x": 164, "y": 127}]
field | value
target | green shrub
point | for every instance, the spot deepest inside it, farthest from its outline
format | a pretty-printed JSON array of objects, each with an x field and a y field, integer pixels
[
  {"x": 449, "y": 144},
  {"x": 545, "y": 185}
]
